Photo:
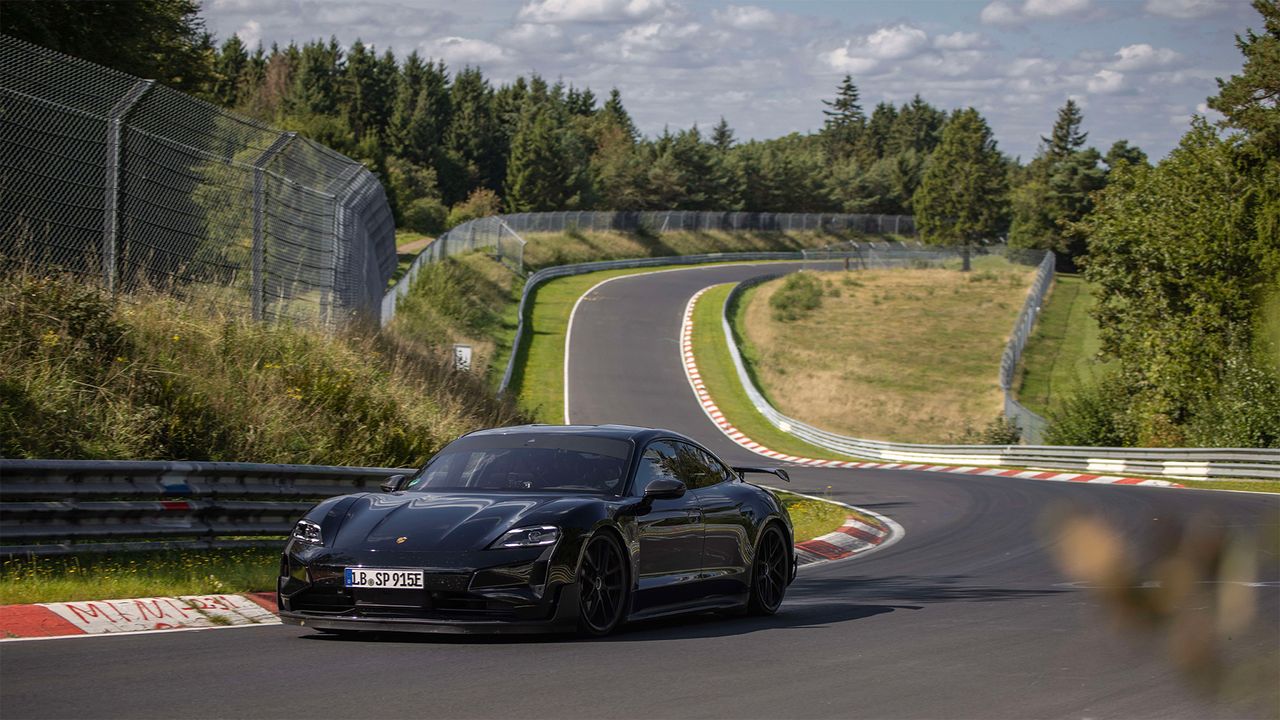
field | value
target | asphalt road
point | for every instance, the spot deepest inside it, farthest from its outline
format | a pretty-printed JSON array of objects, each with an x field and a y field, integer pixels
[{"x": 967, "y": 616}]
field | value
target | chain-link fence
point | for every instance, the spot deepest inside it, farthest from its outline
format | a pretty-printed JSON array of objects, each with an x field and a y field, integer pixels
[
  {"x": 137, "y": 186},
  {"x": 1032, "y": 425}
]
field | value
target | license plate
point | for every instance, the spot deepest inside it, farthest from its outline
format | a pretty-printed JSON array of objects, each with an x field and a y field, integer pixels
[{"x": 384, "y": 578}]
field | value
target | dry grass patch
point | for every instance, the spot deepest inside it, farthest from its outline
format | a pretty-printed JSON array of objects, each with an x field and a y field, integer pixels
[{"x": 901, "y": 355}]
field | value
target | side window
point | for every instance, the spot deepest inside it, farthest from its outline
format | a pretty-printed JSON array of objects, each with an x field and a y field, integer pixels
[
  {"x": 719, "y": 473},
  {"x": 658, "y": 461},
  {"x": 694, "y": 467}
]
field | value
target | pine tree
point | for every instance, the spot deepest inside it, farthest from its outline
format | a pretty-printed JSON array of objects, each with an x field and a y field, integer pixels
[
  {"x": 535, "y": 180},
  {"x": 918, "y": 127},
  {"x": 1251, "y": 100},
  {"x": 962, "y": 196},
  {"x": 471, "y": 136},
  {"x": 1066, "y": 137},
  {"x": 845, "y": 120},
  {"x": 617, "y": 114},
  {"x": 231, "y": 64},
  {"x": 722, "y": 135},
  {"x": 1122, "y": 152},
  {"x": 874, "y": 143}
]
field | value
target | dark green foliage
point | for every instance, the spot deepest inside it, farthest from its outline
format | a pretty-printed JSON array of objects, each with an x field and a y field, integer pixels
[
  {"x": 426, "y": 215},
  {"x": 799, "y": 296},
  {"x": 1122, "y": 152},
  {"x": 1251, "y": 100},
  {"x": 1057, "y": 188},
  {"x": 845, "y": 120},
  {"x": 1097, "y": 414},
  {"x": 1000, "y": 431},
  {"x": 160, "y": 39},
  {"x": 962, "y": 196}
]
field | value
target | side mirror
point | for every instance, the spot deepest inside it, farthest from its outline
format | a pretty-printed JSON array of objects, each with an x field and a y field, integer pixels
[
  {"x": 664, "y": 489},
  {"x": 392, "y": 483}
]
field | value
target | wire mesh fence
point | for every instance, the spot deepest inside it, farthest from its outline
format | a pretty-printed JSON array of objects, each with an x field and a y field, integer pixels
[
  {"x": 660, "y": 221},
  {"x": 1033, "y": 425},
  {"x": 121, "y": 181}
]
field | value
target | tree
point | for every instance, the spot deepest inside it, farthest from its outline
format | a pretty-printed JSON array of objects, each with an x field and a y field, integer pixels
[
  {"x": 918, "y": 127},
  {"x": 1066, "y": 137},
  {"x": 617, "y": 114},
  {"x": 1251, "y": 100},
  {"x": 845, "y": 120},
  {"x": 316, "y": 87},
  {"x": 536, "y": 179},
  {"x": 874, "y": 143},
  {"x": 962, "y": 196},
  {"x": 722, "y": 135},
  {"x": 231, "y": 64},
  {"x": 472, "y": 137},
  {"x": 1122, "y": 152},
  {"x": 160, "y": 39}
]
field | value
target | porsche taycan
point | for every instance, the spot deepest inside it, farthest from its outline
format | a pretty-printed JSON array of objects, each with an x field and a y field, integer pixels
[{"x": 542, "y": 528}]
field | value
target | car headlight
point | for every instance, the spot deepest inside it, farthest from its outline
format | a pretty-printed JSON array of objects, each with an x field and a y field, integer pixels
[
  {"x": 307, "y": 532},
  {"x": 528, "y": 537}
]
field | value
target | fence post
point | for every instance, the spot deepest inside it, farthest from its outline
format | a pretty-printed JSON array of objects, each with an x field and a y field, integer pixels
[
  {"x": 111, "y": 204},
  {"x": 343, "y": 187},
  {"x": 259, "y": 219}
]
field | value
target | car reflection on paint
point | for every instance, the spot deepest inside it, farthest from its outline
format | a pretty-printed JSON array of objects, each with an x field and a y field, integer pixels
[{"x": 542, "y": 528}]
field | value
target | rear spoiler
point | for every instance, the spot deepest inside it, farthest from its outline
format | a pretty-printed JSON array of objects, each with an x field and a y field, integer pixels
[{"x": 780, "y": 472}]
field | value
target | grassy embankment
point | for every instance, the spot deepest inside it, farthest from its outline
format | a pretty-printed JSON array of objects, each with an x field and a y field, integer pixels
[
  {"x": 1063, "y": 350},
  {"x": 907, "y": 355}
]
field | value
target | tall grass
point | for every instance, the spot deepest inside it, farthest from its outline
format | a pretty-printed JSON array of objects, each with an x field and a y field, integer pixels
[{"x": 85, "y": 375}]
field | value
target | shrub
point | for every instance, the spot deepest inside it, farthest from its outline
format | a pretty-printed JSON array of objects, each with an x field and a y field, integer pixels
[
  {"x": 426, "y": 215},
  {"x": 1097, "y": 414},
  {"x": 482, "y": 202},
  {"x": 1244, "y": 410},
  {"x": 800, "y": 295},
  {"x": 1000, "y": 431}
]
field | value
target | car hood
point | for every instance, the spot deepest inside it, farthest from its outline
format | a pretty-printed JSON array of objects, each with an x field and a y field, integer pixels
[{"x": 414, "y": 521}]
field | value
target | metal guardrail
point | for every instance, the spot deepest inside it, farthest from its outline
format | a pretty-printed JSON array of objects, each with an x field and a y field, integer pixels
[
  {"x": 1184, "y": 463},
  {"x": 52, "y": 507}
]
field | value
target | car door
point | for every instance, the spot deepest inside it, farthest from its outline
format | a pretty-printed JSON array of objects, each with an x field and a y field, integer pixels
[
  {"x": 670, "y": 533},
  {"x": 726, "y": 546}
]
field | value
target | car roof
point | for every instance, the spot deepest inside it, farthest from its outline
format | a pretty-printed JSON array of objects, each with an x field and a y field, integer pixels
[{"x": 638, "y": 435}]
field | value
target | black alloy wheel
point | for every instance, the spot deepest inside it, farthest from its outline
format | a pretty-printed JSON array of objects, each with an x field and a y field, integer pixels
[
  {"x": 769, "y": 576},
  {"x": 602, "y": 586}
]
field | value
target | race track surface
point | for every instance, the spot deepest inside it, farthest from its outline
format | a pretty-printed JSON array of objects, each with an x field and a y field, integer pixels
[{"x": 967, "y": 616}]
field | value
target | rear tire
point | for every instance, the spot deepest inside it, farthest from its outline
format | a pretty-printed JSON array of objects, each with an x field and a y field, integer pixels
[
  {"x": 769, "y": 572},
  {"x": 602, "y": 586}
]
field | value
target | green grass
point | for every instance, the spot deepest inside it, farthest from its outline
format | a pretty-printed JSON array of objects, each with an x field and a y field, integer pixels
[
  {"x": 715, "y": 364},
  {"x": 1266, "y": 486},
  {"x": 133, "y": 575},
  {"x": 87, "y": 376},
  {"x": 812, "y": 518},
  {"x": 1063, "y": 350}
]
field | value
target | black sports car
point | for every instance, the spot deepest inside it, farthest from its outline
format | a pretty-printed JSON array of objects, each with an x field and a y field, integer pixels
[{"x": 539, "y": 528}]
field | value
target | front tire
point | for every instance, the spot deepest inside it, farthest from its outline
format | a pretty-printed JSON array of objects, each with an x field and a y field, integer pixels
[
  {"x": 769, "y": 572},
  {"x": 602, "y": 586}
]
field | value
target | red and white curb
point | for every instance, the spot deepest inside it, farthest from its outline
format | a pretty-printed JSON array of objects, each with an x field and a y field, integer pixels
[
  {"x": 718, "y": 419},
  {"x": 99, "y": 617}
]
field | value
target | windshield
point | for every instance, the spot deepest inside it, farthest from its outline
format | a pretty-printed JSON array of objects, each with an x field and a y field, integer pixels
[{"x": 527, "y": 463}]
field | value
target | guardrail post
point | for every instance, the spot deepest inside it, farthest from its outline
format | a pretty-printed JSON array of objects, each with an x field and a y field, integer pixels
[
  {"x": 259, "y": 219},
  {"x": 111, "y": 204}
]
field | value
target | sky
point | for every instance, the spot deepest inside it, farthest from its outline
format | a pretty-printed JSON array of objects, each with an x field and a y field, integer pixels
[{"x": 1139, "y": 68}]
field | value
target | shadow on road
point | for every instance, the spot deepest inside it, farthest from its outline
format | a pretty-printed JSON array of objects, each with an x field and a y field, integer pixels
[{"x": 909, "y": 589}]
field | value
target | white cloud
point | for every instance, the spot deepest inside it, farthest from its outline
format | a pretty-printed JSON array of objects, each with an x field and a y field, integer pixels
[
  {"x": 959, "y": 41},
  {"x": 1000, "y": 12},
  {"x": 532, "y": 34},
  {"x": 1105, "y": 82},
  {"x": 746, "y": 17},
  {"x": 459, "y": 51},
  {"x": 1054, "y": 8},
  {"x": 1142, "y": 57},
  {"x": 1183, "y": 9},
  {"x": 591, "y": 11},
  {"x": 250, "y": 33},
  {"x": 864, "y": 54}
]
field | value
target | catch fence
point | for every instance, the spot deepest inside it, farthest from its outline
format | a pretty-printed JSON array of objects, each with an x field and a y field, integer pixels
[{"x": 122, "y": 181}]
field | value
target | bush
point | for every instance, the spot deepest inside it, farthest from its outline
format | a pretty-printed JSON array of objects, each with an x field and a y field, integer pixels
[
  {"x": 1244, "y": 411},
  {"x": 425, "y": 215},
  {"x": 1000, "y": 431},
  {"x": 799, "y": 296},
  {"x": 1096, "y": 414},
  {"x": 482, "y": 202}
]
